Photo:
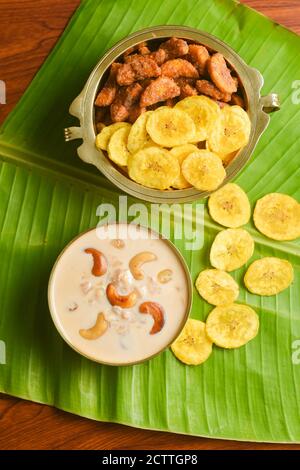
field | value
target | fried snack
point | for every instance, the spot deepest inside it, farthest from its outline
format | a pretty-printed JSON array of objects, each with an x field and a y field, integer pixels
[
  {"x": 104, "y": 136},
  {"x": 232, "y": 132},
  {"x": 199, "y": 56},
  {"x": 153, "y": 167},
  {"x": 108, "y": 93},
  {"x": 203, "y": 170},
  {"x": 117, "y": 146},
  {"x": 160, "y": 89},
  {"x": 137, "y": 68},
  {"x": 181, "y": 152},
  {"x": 125, "y": 75},
  {"x": 237, "y": 100},
  {"x": 204, "y": 112},
  {"x": 230, "y": 206},
  {"x": 186, "y": 86},
  {"x": 269, "y": 276},
  {"x": 192, "y": 346},
  {"x": 232, "y": 326},
  {"x": 231, "y": 249},
  {"x": 217, "y": 287},
  {"x": 124, "y": 101},
  {"x": 159, "y": 56},
  {"x": 220, "y": 74},
  {"x": 176, "y": 68},
  {"x": 209, "y": 89},
  {"x": 134, "y": 112},
  {"x": 174, "y": 47},
  {"x": 138, "y": 136},
  {"x": 170, "y": 126},
  {"x": 277, "y": 216},
  {"x": 142, "y": 47}
]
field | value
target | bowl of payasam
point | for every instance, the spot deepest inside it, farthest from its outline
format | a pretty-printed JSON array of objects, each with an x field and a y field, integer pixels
[
  {"x": 170, "y": 114},
  {"x": 120, "y": 294}
]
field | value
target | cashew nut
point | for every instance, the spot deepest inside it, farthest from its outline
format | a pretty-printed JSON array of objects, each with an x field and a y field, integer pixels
[
  {"x": 100, "y": 262},
  {"x": 156, "y": 311},
  {"x": 165, "y": 276},
  {"x": 123, "y": 301},
  {"x": 97, "y": 330},
  {"x": 137, "y": 261}
]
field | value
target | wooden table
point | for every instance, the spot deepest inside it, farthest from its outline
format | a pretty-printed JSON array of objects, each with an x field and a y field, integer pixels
[{"x": 29, "y": 29}]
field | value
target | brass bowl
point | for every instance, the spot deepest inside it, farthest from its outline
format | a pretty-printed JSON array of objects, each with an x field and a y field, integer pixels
[
  {"x": 64, "y": 334},
  {"x": 83, "y": 108}
]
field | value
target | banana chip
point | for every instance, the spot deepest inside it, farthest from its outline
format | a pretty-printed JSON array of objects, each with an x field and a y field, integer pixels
[
  {"x": 231, "y": 132},
  {"x": 153, "y": 167},
  {"x": 169, "y": 127},
  {"x": 203, "y": 111},
  {"x": 104, "y": 136},
  {"x": 269, "y": 276},
  {"x": 192, "y": 346},
  {"x": 230, "y": 206},
  {"x": 232, "y": 326},
  {"x": 181, "y": 152},
  {"x": 204, "y": 170},
  {"x": 277, "y": 216},
  {"x": 231, "y": 249},
  {"x": 117, "y": 146},
  {"x": 138, "y": 136},
  {"x": 217, "y": 287}
]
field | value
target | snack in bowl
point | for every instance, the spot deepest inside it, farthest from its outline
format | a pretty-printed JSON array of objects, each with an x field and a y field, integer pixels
[
  {"x": 174, "y": 92},
  {"x": 119, "y": 294}
]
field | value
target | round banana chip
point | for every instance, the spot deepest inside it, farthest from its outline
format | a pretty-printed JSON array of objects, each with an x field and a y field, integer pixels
[
  {"x": 181, "y": 152},
  {"x": 117, "y": 146},
  {"x": 232, "y": 326},
  {"x": 204, "y": 112},
  {"x": 231, "y": 132},
  {"x": 269, "y": 276},
  {"x": 169, "y": 127},
  {"x": 230, "y": 206},
  {"x": 231, "y": 249},
  {"x": 138, "y": 136},
  {"x": 277, "y": 216},
  {"x": 204, "y": 170},
  {"x": 217, "y": 287},
  {"x": 104, "y": 136},
  {"x": 153, "y": 167},
  {"x": 192, "y": 346}
]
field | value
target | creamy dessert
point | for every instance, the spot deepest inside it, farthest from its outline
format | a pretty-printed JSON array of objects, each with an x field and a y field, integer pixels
[{"x": 119, "y": 294}]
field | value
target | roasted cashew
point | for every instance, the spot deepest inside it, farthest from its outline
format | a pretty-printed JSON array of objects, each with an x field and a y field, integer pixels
[
  {"x": 100, "y": 262},
  {"x": 97, "y": 330},
  {"x": 165, "y": 276},
  {"x": 156, "y": 311},
  {"x": 123, "y": 301},
  {"x": 137, "y": 261}
]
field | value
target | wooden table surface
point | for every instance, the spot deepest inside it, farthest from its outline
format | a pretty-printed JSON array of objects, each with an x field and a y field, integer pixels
[{"x": 29, "y": 29}]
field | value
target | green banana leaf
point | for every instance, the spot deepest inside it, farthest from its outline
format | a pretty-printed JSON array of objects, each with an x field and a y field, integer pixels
[{"x": 48, "y": 196}]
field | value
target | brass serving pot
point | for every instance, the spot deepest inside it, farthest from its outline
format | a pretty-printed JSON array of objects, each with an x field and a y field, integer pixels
[
  {"x": 63, "y": 333},
  {"x": 83, "y": 108}
]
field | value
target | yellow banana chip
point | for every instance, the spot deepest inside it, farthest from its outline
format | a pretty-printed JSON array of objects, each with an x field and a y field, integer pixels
[
  {"x": 232, "y": 326},
  {"x": 225, "y": 157},
  {"x": 269, "y": 276},
  {"x": 153, "y": 167},
  {"x": 204, "y": 170},
  {"x": 117, "y": 146},
  {"x": 181, "y": 152},
  {"x": 192, "y": 346},
  {"x": 277, "y": 216},
  {"x": 138, "y": 136},
  {"x": 230, "y": 206},
  {"x": 231, "y": 132},
  {"x": 104, "y": 136},
  {"x": 204, "y": 112},
  {"x": 169, "y": 127},
  {"x": 231, "y": 249},
  {"x": 217, "y": 287}
]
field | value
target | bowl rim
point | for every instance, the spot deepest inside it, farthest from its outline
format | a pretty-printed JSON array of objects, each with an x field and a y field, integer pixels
[
  {"x": 251, "y": 80},
  {"x": 186, "y": 315}
]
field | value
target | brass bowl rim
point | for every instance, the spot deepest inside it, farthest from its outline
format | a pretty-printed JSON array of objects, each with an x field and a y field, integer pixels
[{"x": 189, "y": 282}]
